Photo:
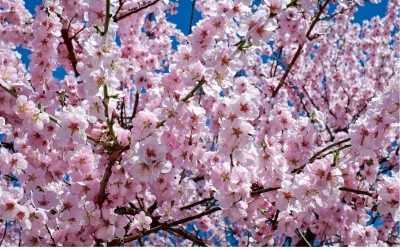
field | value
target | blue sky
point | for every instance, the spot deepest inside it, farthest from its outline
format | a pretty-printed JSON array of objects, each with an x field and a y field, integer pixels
[{"x": 182, "y": 20}]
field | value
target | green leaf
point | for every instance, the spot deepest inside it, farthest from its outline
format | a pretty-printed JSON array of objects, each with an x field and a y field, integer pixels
[
  {"x": 336, "y": 156},
  {"x": 63, "y": 97}
]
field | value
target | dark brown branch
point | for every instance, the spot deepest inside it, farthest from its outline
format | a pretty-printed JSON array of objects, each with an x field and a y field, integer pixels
[
  {"x": 328, "y": 147},
  {"x": 135, "y": 10},
  {"x": 4, "y": 234},
  {"x": 191, "y": 17},
  {"x": 121, "y": 4},
  {"x": 275, "y": 220},
  {"x": 166, "y": 226},
  {"x": 299, "y": 49},
  {"x": 286, "y": 74},
  {"x": 264, "y": 190},
  {"x": 317, "y": 18},
  {"x": 198, "y": 178},
  {"x": 135, "y": 107},
  {"x": 163, "y": 226},
  {"x": 187, "y": 97},
  {"x": 331, "y": 152},
  {"x": 70, "y": 49},
  {"x": 197, "y": 203},
  {"x": 114, "y": 157},
  {"x": 191, "y": 93},
  {"x": 356, "y": 191},
  {"x": 125, "y": 210},
  {"x": 315, "y": 156},
  {"x": 185, "y": 234},
  {"x": 253, "y": 193},
  {"x": 306, "y": 240},
  {"x": 51, "y": 236}
]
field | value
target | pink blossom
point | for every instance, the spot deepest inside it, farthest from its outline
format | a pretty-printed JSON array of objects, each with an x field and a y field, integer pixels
[{"x": 141, "y": 221}]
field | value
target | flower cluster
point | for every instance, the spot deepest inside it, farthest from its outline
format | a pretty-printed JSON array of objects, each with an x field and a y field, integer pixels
[{"x": 266, "y": 123}]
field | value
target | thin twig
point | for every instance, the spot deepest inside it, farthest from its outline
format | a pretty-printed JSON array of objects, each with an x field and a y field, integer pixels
[
  {"x": 317, "y": 154},
  {"x": 356, "y": 191},
  {"x": 304, "y": 238},
  {"x": 10, "y": 91},
  {"x": 185, "y": 234},
  {"x": 51, "y": 236},
  {"x": 107, "y": 19},
  {"x": 299, "y": 49},
  {"x": 331, "y": 152},
  {"x": 191, "y": 17},
  {"x": 5, "y": 233},
  {"x": 114, "y": 157},
  {"x": 135, "y": 107},
  {"x": 197, "y": 203},
  {"x": 163, "y": 227},
  {"x": 135, "y": 10}
]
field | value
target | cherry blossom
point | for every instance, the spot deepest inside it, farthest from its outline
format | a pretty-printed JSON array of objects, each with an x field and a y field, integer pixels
[{"x": 265, "y": 123}]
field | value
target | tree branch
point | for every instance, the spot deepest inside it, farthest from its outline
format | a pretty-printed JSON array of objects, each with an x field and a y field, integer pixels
[
  {"x": 10, "y": 91},
  {"x": 187, "y": 97},
  {"x": 51, "y": 236},
  {"x": 134, "y": 10},
  {"x": 166, "y": 226},
  {"x": 70, "y": 49},
  {"x": 356, "y": 191},
  {"x": 106, "y": 20},
  {"x": 114, "y": 157},
  {"x": 315, "y": 156},
  {"x": 197, "y": 203},
  {"x": 185, "y": 234},
  {"x": 191, "y": 17},
  {"x": 191, "y": 93},
  {"x": 135, "y": 107},
  {"x": 298, "y": 52},
  {"x": 163, "y": 226},
  {"x": 264, "y": 190},
  {"x": 4, "y": 234}
]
